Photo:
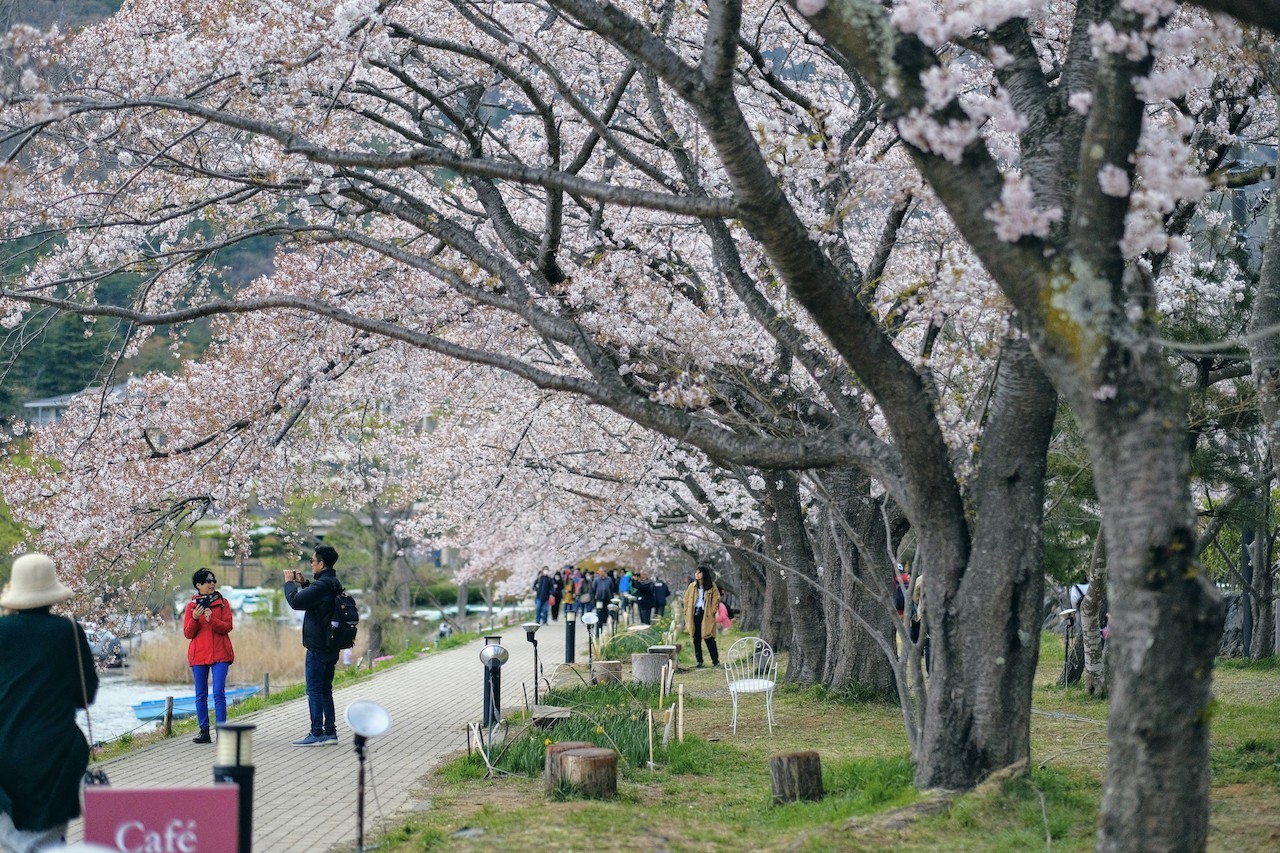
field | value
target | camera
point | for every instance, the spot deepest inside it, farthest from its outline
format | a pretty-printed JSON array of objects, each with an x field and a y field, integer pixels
[{"x": 204, "y": 601}]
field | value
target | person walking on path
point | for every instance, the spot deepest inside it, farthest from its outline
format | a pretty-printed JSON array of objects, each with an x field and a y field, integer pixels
[
  {"x": 557, "y": 595},
  {"x": 643, "y": 589},
  {"x": 542, "y": 587},
  {"x": 318, "y": 598},
  {"x": 602, "y": 590},
  {"x": 206, "y": 622},
  {"x": 46, "y": 673},
  {"x": 661, "y": 592},
  {"x": 701, "y": 602}
]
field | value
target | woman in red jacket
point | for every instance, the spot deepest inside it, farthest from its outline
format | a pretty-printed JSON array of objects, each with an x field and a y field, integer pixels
[{"x": 207, "y": 624}]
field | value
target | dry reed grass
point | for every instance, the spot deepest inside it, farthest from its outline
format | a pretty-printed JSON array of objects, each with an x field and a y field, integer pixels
[{"x": 261, "y": 647}]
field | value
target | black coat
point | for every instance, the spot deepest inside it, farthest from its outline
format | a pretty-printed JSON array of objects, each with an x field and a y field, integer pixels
[
  {"x": 43, "y": 753},
  {"x": 317, "y": 598}
]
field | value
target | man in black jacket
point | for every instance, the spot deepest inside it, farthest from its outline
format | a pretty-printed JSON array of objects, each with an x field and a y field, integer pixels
[{"x": 316, "y": 597}]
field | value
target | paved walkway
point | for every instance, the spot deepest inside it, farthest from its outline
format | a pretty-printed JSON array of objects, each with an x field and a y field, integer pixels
[{"x": 305, "y": 797}]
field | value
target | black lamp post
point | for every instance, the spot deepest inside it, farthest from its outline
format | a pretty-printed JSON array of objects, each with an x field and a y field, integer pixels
[
  {"x": 590, "y": 619},
  {"x": 366, "y": 719},
  {"x": 569, "y": 628},
  {"x": 235, "y": 764},
  {"x": 615, "y": 605},
  {"x": 493, "y": 656},
  {"x": 531, "y": 628}
]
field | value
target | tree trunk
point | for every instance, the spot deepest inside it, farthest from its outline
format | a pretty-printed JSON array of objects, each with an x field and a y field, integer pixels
[
  {"x": 852, "y": 539},
  {"x": 775, "y": 620},
  {"x": 1092, "y": 606},
  {"x": 985, "y": 620},
  {"x": 807, "y": 652},
  {"x": 1264, "y": 629},
  {"x": 1166, "y": 621}
]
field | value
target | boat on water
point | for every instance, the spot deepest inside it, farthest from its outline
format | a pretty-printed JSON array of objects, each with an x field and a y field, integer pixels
[{"x": 185, "y": 706}]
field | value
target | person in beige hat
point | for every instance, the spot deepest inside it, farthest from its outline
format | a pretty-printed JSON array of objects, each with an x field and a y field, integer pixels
[{"x": 46, "y": 673}]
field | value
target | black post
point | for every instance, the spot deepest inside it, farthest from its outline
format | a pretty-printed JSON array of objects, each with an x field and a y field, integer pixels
[
  {"x": 569, "y": 628},
  {"x": 234, "y": 754},
  {"x": 359, "y": 742}
]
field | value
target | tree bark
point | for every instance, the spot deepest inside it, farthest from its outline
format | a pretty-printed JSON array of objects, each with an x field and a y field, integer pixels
[
  {"x": 1091, "y": 608},
  {"x": 984, "y": 621},
  {"x": 808, "y": 648}
]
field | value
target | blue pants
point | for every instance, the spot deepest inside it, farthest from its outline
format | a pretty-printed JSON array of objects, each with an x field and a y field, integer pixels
[
  {"x": 541, "y": 609},
  {"x": 319, "y": 673},
  {"x": 200, "y": 672}
]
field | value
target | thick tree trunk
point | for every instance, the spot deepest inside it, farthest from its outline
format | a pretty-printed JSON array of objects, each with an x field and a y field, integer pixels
[
  {"x": 808, "y": 649},
  {"x": 775, "y": 621},
  {"x": 857, "y": 572},
  {"x": 1166, "y": 621},
  {"x": 985, "y": 621},
  {"x": 1264, "y": 621}
]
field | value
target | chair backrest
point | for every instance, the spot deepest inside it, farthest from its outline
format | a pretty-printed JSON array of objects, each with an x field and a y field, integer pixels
[{"x": 750, "y": 658}]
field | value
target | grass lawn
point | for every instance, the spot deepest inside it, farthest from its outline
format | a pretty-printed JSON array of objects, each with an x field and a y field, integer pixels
[{"x": 712, "y": 792}]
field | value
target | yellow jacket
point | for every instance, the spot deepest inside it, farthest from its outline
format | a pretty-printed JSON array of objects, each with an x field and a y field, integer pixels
[{"x": 712, "y": 603}]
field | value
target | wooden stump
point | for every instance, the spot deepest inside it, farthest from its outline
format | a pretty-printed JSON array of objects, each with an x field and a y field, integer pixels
[
  {"x": 796, "y": 776},
  {"x": 606, "y": 672},
  {"x": 669, "y": 651},
  {"x": 647, "y": 668},
  {"x": 552, "y": 764},
  {"x": 590, "y": 771}
]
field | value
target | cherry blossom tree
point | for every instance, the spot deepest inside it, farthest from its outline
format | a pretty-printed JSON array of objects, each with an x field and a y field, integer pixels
[{"x": 729, "y": 225}]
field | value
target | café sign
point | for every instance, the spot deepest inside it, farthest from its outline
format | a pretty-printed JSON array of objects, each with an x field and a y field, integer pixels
[{"x": 163, "y": 820}]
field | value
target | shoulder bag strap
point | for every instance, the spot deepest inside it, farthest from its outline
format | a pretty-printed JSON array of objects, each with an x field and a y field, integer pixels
[{"x": 84, "y": 688}]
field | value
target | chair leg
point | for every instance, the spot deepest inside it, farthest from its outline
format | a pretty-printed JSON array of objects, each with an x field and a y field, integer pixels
[
  {"x": 734, "y": 697},
  {"x": 768, "y": 708}
]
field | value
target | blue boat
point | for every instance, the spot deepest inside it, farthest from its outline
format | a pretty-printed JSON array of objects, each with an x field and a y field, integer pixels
[{"x": 185, "y": 706}]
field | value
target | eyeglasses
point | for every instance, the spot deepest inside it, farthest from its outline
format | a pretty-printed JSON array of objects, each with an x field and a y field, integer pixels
[{"x": 210, "y": 580}]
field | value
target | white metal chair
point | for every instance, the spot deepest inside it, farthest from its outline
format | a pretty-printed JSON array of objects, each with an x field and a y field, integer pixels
[{"x": 751, "y": 667}]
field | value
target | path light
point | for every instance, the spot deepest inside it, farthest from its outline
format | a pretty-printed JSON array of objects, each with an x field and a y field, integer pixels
[
  {"x": 367, "y": 719},
  {"x": 235, "y": 764},
  {"x": 569, "y": 627},
  {"x": 590, "y": 619},
  {"x": 493, "y": 656},
  {"x": 1069, "y": 616},
  {"x": 531, "y": 628},
  {"x": 615, "y": 605}
]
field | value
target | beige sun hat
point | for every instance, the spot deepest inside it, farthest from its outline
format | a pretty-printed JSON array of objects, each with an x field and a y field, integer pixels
[{"x": 34, "y": 583}]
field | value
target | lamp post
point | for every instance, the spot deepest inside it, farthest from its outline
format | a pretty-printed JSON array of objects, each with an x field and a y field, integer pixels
[
  {"x": 366, "y": 719},
  {"x": 493, "y": 656},
  {"x": 590, "y": 619},
  {"x": 235, "y": 765},
  {"x": 615, "y": 605},
  {"x": 531, "y": 628},
  {"x": 1069, "y": 617},
  {"x": 569, "y": 628}
]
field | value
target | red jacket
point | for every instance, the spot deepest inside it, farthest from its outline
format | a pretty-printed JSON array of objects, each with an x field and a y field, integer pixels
[{"x": 210, "y": 642}]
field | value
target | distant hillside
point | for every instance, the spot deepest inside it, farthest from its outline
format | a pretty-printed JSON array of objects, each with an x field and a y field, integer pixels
[{"x": 67, "y": 14}]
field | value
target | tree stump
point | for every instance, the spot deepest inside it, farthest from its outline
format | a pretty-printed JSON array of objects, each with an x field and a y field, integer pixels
[
  {"x": 669, "y": 651},
  {"x": 796, "y": 776},
  {"x": 552, "y": 765},
  {"x": 606, "y": 672},
  {"x": 647, "y": 668},
  {"x": 590, "y": 771}
]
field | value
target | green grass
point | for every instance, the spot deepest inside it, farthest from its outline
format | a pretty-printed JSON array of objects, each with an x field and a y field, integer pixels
[{"x": 712, "y": 791}]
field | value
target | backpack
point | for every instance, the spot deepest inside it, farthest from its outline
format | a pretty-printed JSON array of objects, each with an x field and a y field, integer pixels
[{"x": 345, "y": 621}]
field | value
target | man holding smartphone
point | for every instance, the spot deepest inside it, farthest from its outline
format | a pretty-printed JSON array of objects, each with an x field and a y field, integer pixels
[{"x": 316, "y": 598}]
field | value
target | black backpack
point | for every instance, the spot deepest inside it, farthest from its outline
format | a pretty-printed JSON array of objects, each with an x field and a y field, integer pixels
[{"x": 344, "y": 624}]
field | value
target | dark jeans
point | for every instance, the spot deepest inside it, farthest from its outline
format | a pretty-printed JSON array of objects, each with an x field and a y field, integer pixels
[
  {"x": 646, "y": 614},
  {"x": 698, "y": 641},
  {"x": 915, "y": 637},
  {"x": 320, "y": 667}
]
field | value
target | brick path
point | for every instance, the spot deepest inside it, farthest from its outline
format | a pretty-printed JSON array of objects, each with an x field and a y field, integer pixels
[{"x": 305, "y": 797}]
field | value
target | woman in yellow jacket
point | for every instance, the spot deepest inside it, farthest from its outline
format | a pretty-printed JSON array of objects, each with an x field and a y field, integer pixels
[{"x": 701, "y": 602}]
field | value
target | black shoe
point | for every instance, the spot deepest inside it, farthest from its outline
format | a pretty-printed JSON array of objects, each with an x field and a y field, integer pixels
[
  {"x": 203, "y": 737},
  {"x": 699, "y": 666}
]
